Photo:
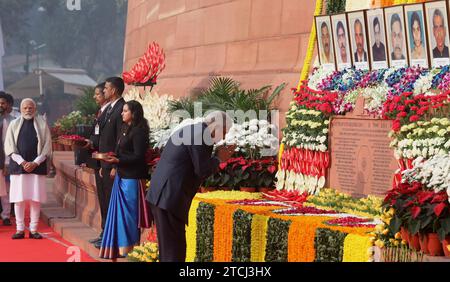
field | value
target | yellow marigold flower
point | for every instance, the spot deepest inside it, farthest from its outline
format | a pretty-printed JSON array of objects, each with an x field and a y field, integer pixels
[
  {"x": 403, "y": 242},
  {"x": 379, "y": 243},
  {"x": 385, "y": 231},
  {"x": 379, "y": 227},
  {"x": 398, "y": 235}
]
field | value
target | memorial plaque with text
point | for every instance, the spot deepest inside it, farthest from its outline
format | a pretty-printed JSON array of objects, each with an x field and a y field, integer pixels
[{"x": 361, "y": 161}]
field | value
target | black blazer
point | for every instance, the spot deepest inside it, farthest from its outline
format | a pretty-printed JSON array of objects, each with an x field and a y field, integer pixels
[
  {"x": 95, "y": 139},
  {"x": 130, "y": 151},
  {"x": 110, "y": 130},
  {"x": 180, "y": 171}
]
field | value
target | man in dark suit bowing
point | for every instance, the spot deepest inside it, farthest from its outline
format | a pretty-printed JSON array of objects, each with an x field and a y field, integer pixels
[
  {"x": 185, "y": 163},
  {"x": 110, "y": 127}
]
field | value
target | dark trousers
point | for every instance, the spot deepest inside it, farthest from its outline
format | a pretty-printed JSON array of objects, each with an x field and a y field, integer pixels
[
  {"x": 171, "y": 233},
  {"x": 104, "y": 188}
]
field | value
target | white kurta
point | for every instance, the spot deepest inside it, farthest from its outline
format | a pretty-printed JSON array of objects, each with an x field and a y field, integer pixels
[{"x": 28, "y": 187}]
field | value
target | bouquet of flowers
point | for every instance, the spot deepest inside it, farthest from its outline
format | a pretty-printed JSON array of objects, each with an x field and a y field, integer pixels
[
  {"x": 148, "y": 68},
  {"x": 254, "y": 139}
]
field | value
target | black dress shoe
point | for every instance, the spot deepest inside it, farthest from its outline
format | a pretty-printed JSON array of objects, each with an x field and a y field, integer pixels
[
  {"x": 99, "y": 238},
  {"x": 35, "y": 236},
  {"x": 7, "y": 222},
  {"x": 18, "y": 236},
  {"x": 93, "y": 241},
  {"x": 98, "y": 244}
]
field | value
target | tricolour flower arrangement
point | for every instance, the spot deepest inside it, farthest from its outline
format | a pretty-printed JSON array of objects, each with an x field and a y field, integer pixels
[{"x": 243, "y": 227}]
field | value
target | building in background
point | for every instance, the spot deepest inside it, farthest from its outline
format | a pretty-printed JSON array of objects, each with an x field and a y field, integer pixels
[
  {"x": 257, "y": 42},
  {"x": 61, "y": 87}
]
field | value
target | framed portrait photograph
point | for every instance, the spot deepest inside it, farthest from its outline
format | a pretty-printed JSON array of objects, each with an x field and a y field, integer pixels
[
  {"x": 325, "y": 42},
  {"x": 341, "y": 41},
  {"x": 377, "y": 39},
  {"x": 358, "y": 40},
  {"x": 437, "y": 22},
  {"x": 416, "y": 35},
  {"x": 396, "y": 36}
]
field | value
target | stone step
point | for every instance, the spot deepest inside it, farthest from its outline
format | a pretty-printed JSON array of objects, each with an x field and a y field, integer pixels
[{"x": 69, "y": 227}]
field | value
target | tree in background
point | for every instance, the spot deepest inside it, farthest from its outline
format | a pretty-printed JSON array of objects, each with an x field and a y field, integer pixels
[
  {"x": 91, "y": 39},
  {"x": 14, "y": 19}
]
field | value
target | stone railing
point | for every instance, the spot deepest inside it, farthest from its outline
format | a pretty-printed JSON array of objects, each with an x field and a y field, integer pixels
[{"x": 74, "y": 188}]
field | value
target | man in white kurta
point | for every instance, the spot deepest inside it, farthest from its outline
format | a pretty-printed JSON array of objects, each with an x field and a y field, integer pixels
[
  {"x": 5, "y": 120},
  {"x": 28, "y": 143}
]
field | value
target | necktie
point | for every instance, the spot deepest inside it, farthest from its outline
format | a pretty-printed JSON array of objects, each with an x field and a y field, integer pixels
[{"x": 109, "y": 112}]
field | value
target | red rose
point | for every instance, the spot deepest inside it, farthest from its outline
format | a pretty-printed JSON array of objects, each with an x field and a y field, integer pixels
[
  {"x": 402, "y": 115},
  {"x": 401, "y": 108},
  {"x": 392, "y": 107},
  {"x": 414, "y": 118},
  {"x": 396, "y": 125},
  {"x": 407, "y": 94}
]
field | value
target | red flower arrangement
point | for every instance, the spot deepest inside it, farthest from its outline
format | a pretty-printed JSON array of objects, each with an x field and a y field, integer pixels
[
  {"x": 305, "y": 210},
  {"x": 72, "y": 137},
  {"x": 417, "y": 209},
  {"x": 258, "y": 203},
  {"x": 148, "y": 68},
  {"x": 322, "y": 101},
  {"x": 351, "y": 222},
  {"x": 405, "y": 109},
  {"x": 241, "y": 172},
  {"x": 293, "y": 197},
  {"x": 305, "y": 161}
]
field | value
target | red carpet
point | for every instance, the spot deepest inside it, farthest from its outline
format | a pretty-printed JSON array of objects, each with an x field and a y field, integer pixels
[{"x": 51, "y": 249}]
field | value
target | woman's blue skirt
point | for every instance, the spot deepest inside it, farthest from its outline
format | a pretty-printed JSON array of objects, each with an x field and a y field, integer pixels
[{"x": 122, "y": 233}]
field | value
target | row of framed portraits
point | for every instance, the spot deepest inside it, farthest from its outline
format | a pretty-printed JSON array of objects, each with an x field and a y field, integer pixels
[{"x": 397, "y": 36}]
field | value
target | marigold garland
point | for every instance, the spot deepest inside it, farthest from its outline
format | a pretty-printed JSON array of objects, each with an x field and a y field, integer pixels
[
  {"x": 247, "y": 232},
  {"x": 223, "y": 233},
  {"x": 191, "y": 232},
  {"x": 259, "y": 238},
  {"x": 311, "y": 45},
  {"x": 229, "y": 195},
  {"x": 280, "y": 154},
  {"x": 356, "y": 248},
  {"x": 301, "y": 238}
]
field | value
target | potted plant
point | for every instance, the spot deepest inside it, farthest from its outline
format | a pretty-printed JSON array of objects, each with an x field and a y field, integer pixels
[{"x": 266, "y": 176}]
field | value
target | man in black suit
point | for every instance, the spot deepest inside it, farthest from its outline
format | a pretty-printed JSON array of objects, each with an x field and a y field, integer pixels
[
  {"x": 378, "y": 48},
  {"x": 185, "y": 163},
  {"x": 110, "y": 126},
  {"x": 94, "y": 138}
]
